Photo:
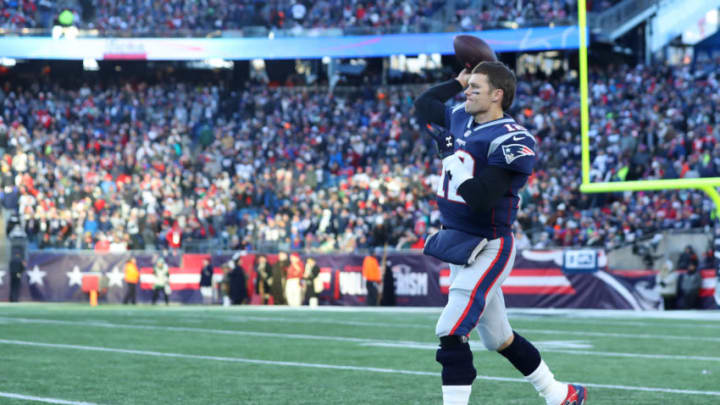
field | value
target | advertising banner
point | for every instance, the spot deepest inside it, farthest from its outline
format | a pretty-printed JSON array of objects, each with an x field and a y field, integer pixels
[
  {"x": 537, "y": 280},
  {"x": 516, "y": 40}
]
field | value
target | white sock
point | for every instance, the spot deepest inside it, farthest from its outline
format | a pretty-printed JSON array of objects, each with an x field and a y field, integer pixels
[
  {"x": 544, "y": 382},
  {"x": 456, "y": 394}
]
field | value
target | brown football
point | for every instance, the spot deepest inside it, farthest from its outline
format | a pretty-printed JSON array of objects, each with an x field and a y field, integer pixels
[{"x": 471, "y": 50}]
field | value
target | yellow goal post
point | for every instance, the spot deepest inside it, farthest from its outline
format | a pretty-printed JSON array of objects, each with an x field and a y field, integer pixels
[{"x": 708, "y": 185}]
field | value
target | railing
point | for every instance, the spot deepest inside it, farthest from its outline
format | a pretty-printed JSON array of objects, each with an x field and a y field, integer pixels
[
  {"x": 225, "y": 250},
  {"x": 607, "y": 21},
  {"x": 429, "y": 26},
  {"x": 215, "y": 245}
]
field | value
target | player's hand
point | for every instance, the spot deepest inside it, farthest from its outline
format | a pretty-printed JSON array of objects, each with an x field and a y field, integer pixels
[
  {"x": 459, "y": 172},
  {"x": 443, "y": 140},
  {"x": 463, "y": 77}
]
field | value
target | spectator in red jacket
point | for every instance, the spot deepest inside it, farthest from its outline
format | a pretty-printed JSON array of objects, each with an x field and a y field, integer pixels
[
  {"x": 293, "y": 287},
  {"x": 174, "y": 237}
]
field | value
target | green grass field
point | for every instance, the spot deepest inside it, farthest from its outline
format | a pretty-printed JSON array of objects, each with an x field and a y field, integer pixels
[{"x": 70, "y": 353}]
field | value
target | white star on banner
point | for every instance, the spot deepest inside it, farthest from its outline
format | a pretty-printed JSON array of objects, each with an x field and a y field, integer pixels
[
  {"x": 36, "y": 275},
  {"x": 2, "y": 275},
  {"x": 115, "y": 277},
  {"x": 74, "y": 277}
]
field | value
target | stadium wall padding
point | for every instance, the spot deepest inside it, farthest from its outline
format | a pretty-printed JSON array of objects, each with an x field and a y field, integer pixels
[{"x": 538, "y": 280}]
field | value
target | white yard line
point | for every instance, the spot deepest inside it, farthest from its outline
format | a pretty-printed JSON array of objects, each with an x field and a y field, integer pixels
[
  {"x": 363, "y": 341},
  {"x": 619, "y": 314},
  {"x": 41, "y": 399},
  {"x": 562, "y": 320},
  {"x": 245, "y": 318},
  {"x": 636, "y": 355},
  {"x": 551, "y": 347},
  {"x": 615, "y": 317},
  {"x": 622, "y": 335},
  {"x": 616, "y": 314},
  {"x": 236, "y": 314},
  {"x": 427, "y": 327},
  {"x": 201, "y": 330},
  {"x": 329, "y": 366}
]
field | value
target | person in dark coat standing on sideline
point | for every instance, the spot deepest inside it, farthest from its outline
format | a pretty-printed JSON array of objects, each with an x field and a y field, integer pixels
[
  {"x": 206, "y": 289},
  {"x": 238, "y": 283},
  {"x": 387, "y": 298},
  {"x": 277, "y": 286},
  {"x": 17, "y": 268}
]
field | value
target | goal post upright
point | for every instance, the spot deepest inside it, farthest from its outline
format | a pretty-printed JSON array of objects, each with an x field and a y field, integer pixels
[
  {"x": 584, "y": 99},
  {"x": 708, "y": 185}
]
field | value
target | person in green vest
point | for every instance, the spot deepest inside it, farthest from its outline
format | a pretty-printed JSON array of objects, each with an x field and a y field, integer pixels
[{"x": 162, "y": 280}]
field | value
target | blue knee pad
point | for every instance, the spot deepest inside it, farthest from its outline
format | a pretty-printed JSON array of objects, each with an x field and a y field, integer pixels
[{"x": 456, "y": 359}]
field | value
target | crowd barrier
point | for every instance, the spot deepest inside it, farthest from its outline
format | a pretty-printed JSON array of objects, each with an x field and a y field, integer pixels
[{"x": 540, "y": 279}]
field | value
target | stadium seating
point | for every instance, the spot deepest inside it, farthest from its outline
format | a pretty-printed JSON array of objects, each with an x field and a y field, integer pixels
[
  {"x": 179, "y": 17},
  {"x": 189, "y": 165}
]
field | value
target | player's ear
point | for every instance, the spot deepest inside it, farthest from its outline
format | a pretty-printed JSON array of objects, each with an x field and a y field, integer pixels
[{"x": 498, "y": 95}]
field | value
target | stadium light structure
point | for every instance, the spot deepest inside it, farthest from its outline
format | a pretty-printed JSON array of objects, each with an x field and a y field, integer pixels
[{"x": 708, "y": 184}]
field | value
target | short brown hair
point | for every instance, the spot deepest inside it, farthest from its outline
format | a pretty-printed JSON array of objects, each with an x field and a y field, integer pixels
[{"x": 500, "y": 77}]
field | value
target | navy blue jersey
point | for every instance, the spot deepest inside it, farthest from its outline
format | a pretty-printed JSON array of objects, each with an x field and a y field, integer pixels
[{"x": 501, "y": 143}]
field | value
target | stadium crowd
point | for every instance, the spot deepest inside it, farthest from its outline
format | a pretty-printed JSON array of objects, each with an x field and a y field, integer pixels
[
  {"x": 173, "y": 16},
  {"x": 118, "y": 166}
]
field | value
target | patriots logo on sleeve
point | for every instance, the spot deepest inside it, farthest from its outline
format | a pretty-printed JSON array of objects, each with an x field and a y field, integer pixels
[{"x": 516, "y": 150}]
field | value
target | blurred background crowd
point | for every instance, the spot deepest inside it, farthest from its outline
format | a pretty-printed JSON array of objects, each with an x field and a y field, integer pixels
[
  {"x": 116, "y": 164},
  {"x": 195, "y": 17}
]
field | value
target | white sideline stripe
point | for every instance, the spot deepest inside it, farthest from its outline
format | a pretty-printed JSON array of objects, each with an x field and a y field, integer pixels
[
  {"x": 617, "y": 315},
  {"x": 622, "y": 335},
  {"x": 519, "y": 318},
  {"x": 204, "y": 330},
  {"x": 244, "y": 314},
  {"x": 622, "y": 314},
  {"x": 550, "y": 347},
  {"x": 331, "y": 366},
  {"x": 340, "y": 338},
  {"x": 245, "y": 318},
  {"x": 617, "y": 323},
  {"x": 42, "y": 399},
  {"x": 218, "y": 358},
  {"x": 365, "y": 341},
  {"x": 635, "y": 355}
]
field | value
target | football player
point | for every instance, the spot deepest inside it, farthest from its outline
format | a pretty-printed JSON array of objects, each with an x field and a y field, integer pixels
[{"x": 487, "y": 158}]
